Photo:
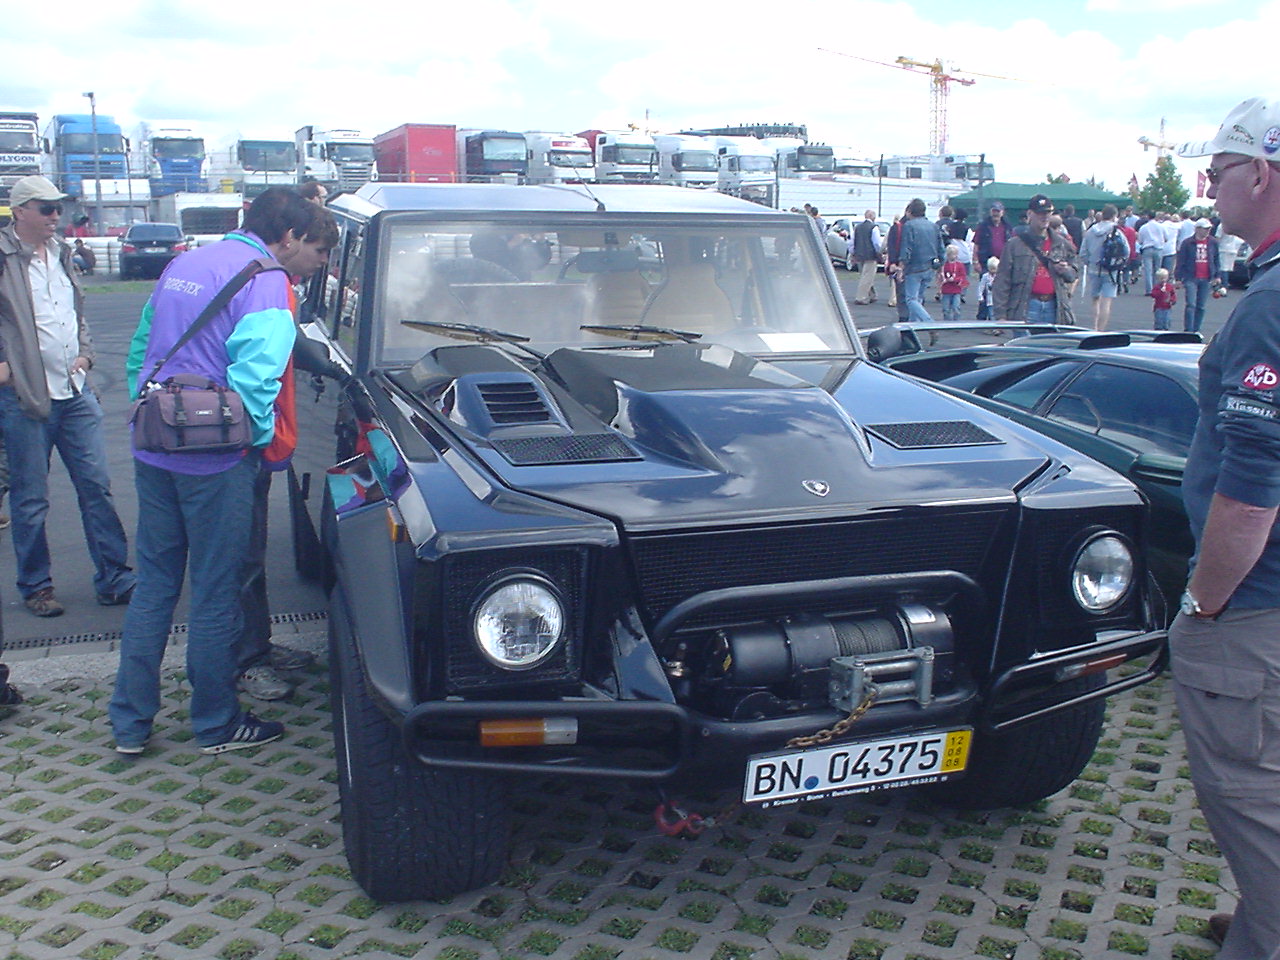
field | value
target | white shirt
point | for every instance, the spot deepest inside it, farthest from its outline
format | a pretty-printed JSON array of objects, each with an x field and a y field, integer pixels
[
  {"x": 1150, "y": 234},
  {"x": 57, "y": 330},
  {"x": 1170, "y": 245}
]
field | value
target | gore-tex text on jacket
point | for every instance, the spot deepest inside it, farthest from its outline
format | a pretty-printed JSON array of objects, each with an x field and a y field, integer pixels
[
  {"x": 244, "y": 347},
  {"x": 1236, "y": 448}
]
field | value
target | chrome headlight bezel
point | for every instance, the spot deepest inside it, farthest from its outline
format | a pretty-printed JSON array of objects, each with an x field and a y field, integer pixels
[
  {"x": 505, "y": 596},
  {"x": 1103, "y": 555}
]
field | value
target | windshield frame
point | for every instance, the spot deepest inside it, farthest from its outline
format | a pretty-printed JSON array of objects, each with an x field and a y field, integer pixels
[{"x": 796, "y": 226}]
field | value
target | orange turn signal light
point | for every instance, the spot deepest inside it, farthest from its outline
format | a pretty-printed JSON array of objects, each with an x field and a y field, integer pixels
[
  {"x": 1093, "y": 666},
  {"x": 529, "y": 732}
]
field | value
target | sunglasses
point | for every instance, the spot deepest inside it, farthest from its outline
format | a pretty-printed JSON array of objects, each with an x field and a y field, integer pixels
[
  {"x": 48, "y": 209},
  {"x": 1214, "y": 174}
]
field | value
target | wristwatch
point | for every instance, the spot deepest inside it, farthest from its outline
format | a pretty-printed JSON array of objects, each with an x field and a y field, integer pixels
[{"x": 1190, "y": 606}]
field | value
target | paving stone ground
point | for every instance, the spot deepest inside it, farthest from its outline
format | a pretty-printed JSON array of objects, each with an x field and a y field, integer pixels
[{"x": 179, "y": 855}]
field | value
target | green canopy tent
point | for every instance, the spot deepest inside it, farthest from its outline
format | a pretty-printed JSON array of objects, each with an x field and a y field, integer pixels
[{"x": 1015, "y": 196}]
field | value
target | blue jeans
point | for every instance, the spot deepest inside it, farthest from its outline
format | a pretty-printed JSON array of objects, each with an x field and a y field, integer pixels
[
  {"x": 951, "y": 306},
  {"x": 1197, "y": 294},
  {"x": 74, "y": 427},
  {"x": 201, "y": 523},
  {"x": 1162, "y": 318},
  {"x": 254, "y": 646},
  {"x": 1042, "y": 311},
  {"x": 1150, "y": 264},
  {"x": 914, "y": 285}
]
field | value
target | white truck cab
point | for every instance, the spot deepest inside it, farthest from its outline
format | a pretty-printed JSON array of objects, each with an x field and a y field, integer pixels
[
  {"x": 559, "y": 158},
  {"x": 687, "y": 161}
]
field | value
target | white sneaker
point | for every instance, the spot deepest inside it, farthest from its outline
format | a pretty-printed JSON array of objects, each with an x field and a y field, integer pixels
[{"x": 263, "y": 683}]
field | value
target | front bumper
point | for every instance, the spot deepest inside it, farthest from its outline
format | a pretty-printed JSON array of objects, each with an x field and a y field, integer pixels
[{"x": 653, "y": 741}]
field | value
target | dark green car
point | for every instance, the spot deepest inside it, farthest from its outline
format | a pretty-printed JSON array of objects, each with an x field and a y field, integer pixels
[{"x": 1126, "y": 399}]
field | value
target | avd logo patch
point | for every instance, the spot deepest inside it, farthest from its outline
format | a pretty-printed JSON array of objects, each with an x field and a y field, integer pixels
[{"x": 1261, "y": 377}]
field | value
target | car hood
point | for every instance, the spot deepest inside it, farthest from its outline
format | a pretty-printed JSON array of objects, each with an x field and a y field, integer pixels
[{"x": 683, "y": 435}]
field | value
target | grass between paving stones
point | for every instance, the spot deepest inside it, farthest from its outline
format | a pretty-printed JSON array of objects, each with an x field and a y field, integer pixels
[{"x": 240, "y": 858}]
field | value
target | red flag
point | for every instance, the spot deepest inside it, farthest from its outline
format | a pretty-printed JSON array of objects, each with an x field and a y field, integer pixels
[
  {"x": 1201, "y": 185},
  {"x": 1133, "y": 183}
]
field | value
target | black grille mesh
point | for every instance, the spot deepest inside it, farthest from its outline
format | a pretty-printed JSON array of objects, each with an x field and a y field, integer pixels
[
  {"x": 464, "y": 574},
  {"x": 674, "y": 567},
  {"x": 932, "y": 433},
  {"x": 591, "y": 448}
]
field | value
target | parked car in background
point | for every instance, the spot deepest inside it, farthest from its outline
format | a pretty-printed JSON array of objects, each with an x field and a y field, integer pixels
[
  {"x": 1126, "y": 399},
  {"x": 837, "y": 239},
  {"x": 147, "y": 248},
  {"x": 615, "y": 493}
]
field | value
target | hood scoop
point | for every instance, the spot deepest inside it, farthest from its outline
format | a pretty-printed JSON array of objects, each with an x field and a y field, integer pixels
[
  {"x": 932, "y": 433},
  {"x": 527, "y": 426},
  {"x": 514, "y": 401}
]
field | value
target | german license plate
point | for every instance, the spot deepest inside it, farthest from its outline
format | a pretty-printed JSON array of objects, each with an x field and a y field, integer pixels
[{"x": 775, "y": 779}]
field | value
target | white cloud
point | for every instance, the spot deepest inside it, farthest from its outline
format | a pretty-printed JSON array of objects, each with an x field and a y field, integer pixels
[{"x": 1079, "y": 106}]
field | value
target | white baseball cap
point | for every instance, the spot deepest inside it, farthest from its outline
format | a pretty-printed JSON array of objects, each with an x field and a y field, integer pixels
[
  {"x": 1204, "y": 223},
  {"x": 1252, "y": 129}
]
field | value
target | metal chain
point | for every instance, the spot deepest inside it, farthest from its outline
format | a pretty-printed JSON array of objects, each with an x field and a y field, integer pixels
[{"x": 840, "y": 728}]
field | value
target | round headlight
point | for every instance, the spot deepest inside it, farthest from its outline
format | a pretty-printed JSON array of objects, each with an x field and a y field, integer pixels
[
  {"x": 1102, "y": 573},
  {"x": 518, "y": 623}
]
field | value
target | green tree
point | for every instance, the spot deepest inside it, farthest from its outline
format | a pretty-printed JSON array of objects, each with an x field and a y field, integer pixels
[{"x": 1164, "y": 189}]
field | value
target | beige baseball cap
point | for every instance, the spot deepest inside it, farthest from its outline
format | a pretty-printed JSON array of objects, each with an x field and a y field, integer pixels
[
  {"x": 1252, "y": 129},
  {"x": 33, "y": 188}
]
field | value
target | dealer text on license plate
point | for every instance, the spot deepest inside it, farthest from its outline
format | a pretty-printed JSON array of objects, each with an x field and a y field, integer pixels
[{"x": 848, "y": 768}]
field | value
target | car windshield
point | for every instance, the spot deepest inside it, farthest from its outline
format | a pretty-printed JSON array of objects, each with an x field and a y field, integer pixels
[
  {"x": 755, "y": 288},
  {"x": 628, "y": 154},
  {"x": 570, "y": 158},
  {"x": 83, "y": 143},
  {"x": 755, "y": 163},
  {"x": 23, "y": 140},
  {"x": 353, "y": 152},
  {"x": 178, "y": 149},
  {"x": 504, "y": 148},
  {"x": 154, "y": 231},
  {"x": 277, "y": 155},
  {"x": 695, "y": 160}
]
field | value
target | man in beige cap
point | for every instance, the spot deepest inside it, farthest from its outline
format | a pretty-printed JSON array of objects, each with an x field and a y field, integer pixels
[
  {"x": 1225, "y": 643},
  {"x": 46, "y": 401},
  {"x": 1195, "y": 271}
]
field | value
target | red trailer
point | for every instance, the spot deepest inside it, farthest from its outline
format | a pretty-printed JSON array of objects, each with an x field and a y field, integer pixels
[{"x": 417, "y": 153}]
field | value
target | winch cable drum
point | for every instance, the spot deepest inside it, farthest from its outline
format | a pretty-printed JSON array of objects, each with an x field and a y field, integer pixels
[{"x": 798, "y": 651}]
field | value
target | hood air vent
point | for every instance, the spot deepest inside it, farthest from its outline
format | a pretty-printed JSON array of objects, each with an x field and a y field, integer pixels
[
  {"x": 514, "y": 401},
  {"x": 588, "y": 448},
  {"x": 932, "y": 433}
]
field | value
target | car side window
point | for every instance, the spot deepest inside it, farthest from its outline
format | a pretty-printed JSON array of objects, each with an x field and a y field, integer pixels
[
  {"x": 1027, "y": 391},
  {"x": 343, "y": 288},
  {"x": 1144, "y": 411}
]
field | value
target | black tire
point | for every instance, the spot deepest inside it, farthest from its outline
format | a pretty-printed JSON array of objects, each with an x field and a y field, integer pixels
[
  {"x": 1032, "y": 761},
  {"x": 411, "y": 833}
]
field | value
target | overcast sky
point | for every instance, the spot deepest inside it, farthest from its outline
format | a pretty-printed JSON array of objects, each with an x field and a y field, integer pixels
[{"x": 1091, "y": 75}]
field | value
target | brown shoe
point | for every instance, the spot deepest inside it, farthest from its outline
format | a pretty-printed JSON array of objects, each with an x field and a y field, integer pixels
[
  {"x": 1219, "y": 924},
  {"x": 44, "y": 604}
]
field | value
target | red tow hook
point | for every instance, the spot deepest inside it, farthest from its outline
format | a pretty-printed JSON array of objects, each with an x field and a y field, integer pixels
[{"x": 674, "y": 822}]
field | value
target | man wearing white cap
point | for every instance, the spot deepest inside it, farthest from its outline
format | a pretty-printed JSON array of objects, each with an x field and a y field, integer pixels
[
  {"x": 1195, "y": 270},
  {"x": 1225, "y": 643},
  {"x": 46, "y": 401}
]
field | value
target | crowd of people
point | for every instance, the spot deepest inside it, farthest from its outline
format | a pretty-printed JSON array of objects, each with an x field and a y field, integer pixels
[
  {"x": 202, "y": 514},
  {"x": 1097, "y": 257}
]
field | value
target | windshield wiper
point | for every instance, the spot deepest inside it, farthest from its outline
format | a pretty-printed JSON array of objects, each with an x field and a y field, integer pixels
[
  {"x": 641, "y": 331},
  {"x": 474, "y": 333}
]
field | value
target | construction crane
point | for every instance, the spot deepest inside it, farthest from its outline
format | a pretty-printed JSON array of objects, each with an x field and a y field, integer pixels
[
  {"x": 1162, "y": 146},
  {"x": 941, "y": 86}
]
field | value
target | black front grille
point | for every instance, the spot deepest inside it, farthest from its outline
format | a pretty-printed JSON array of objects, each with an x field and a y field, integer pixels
[
  {"x": 591, "y": 448},
  {"x": 932, "y": 433},
  {"x": 674, "y": 567}
]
